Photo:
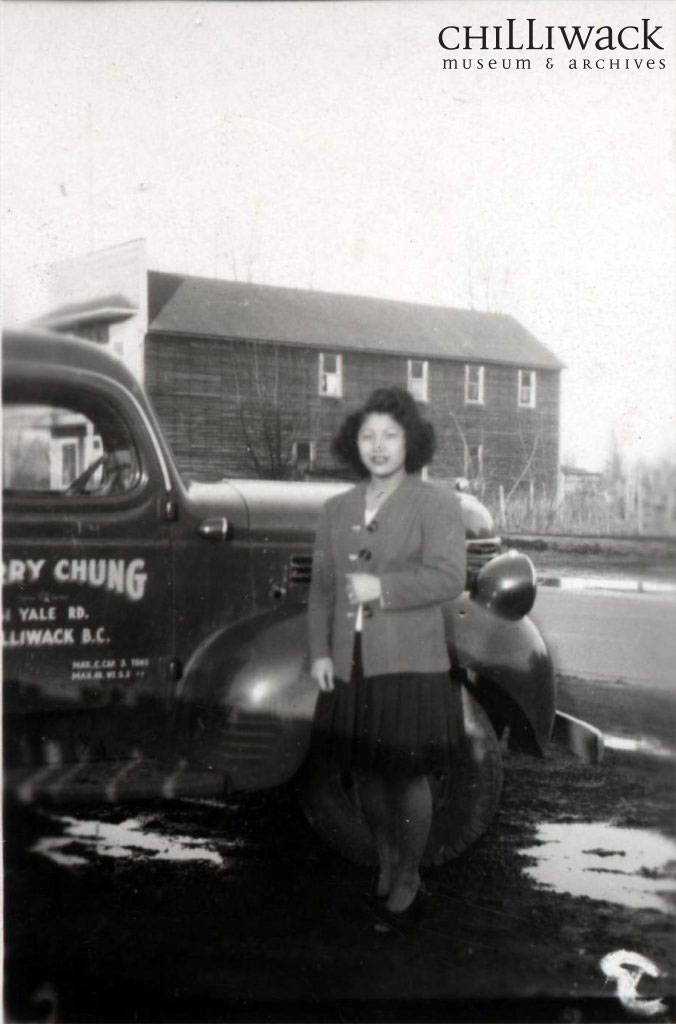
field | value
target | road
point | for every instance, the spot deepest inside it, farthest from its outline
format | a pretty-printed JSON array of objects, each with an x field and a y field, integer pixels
[{"x": 607, "y": 635}]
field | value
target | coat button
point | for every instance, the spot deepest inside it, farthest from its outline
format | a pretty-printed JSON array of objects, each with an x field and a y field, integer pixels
[
  {"x": 372, "y": 526},
  {"x": 367, "y": 611},
  {"x": 365, "y": 554}
]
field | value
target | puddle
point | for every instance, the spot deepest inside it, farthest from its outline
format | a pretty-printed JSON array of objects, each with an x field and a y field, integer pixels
[
  {"x": 631, "y": 867},
  {"x": 221, "y": 803},
  {"x": 619, "y": 583},
  {"x": 130, "y": 839}
]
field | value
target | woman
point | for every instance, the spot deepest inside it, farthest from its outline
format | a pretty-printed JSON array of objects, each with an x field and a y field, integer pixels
[{"x": 388, "y": 552}]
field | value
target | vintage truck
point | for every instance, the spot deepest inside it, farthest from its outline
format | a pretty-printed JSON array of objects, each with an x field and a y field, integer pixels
[{"x": 154, "y": 632}]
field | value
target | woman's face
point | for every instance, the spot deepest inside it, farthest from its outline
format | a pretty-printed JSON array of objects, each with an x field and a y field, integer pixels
[{"x": 382, "y": 445}]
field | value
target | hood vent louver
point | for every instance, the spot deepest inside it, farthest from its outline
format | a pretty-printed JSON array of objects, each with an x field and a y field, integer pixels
[
  {"x": 300, "y": 569},
  {"x": 479, "y": 552}
]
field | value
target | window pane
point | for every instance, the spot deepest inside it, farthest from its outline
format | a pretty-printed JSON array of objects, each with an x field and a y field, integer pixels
[
  {"x": 330, "y": 376},
  {"x": 474, "y": 383},
  {"x": 527, "y": 388},
  {"x": 418, "y": 390},
  {"x": 417, "y": 379},
  {"x": 68, "y": 463},
  {"x": 25, "y": 448},
  {"x": 59, "y": 449}
]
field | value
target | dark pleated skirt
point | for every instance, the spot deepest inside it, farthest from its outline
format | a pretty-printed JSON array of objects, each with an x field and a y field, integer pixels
[{"x": 401, "y": 724}]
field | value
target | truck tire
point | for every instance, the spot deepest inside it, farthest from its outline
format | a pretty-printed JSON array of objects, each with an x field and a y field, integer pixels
[{"x": 465, "y": 801}]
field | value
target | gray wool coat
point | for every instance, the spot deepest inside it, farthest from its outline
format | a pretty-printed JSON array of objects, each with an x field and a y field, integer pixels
[{"x": 416, "y": 545}]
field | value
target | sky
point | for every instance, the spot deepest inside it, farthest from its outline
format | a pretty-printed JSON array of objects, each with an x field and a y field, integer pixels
[{"x": 323, "y": 145}]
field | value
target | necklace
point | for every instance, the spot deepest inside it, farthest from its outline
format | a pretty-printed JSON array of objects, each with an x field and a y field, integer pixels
[{"x": 375, "y": 498}]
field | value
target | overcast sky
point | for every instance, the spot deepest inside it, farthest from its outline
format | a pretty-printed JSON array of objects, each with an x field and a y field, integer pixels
[{"x": 323, "y": 145}]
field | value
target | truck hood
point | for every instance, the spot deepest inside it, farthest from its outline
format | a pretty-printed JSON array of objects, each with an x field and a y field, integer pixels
[{"x": 291, "y": 508}]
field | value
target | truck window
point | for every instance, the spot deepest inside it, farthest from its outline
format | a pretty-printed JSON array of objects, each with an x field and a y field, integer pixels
[{"x": 61, "y": 448}]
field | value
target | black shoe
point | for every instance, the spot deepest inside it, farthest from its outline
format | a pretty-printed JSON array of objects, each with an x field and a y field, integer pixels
[
  {"x": 389, "y": 921},
  {"x": 373, "y": 900}
]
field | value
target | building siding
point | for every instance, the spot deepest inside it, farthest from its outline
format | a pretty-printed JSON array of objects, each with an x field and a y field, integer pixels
[{"x": 216, "y": 396}]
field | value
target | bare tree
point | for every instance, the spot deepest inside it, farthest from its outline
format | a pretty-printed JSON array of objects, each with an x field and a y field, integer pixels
[
  {"x": 271, "y": 397},
  {"x": 504, "y": 491},
  {"x": 472, "y": 464},
  {"x": 525, "y": 473}
]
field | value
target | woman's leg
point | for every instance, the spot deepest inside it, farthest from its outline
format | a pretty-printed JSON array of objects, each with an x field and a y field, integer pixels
[
  {"x": 413, "y": 813},
  {"x": 377, "y": 801}
]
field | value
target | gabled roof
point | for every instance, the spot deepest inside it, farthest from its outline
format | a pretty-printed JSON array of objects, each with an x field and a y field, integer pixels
[{"x": 199, "y": 306}]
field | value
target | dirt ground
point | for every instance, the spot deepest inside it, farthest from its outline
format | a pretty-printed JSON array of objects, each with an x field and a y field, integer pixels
[{"x": 284, "y": 930}]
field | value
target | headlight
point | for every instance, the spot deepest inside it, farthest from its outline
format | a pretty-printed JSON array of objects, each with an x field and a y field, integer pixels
[{"x": 506, "y": 585}]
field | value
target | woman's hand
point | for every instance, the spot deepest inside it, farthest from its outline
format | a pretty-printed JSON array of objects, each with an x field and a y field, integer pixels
[
  {"x": 322, "y": 673},
  {"x": 362, "y": 587}
]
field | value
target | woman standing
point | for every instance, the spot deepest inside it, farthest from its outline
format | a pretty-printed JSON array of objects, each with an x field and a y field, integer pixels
[{"x": 388, "y": 552}]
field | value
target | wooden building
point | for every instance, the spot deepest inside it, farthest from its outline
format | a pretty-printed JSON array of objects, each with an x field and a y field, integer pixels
[{"x": 252, "y": 379}]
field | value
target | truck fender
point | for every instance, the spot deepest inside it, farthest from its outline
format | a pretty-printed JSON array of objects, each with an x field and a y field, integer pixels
[
  {"x": 246, "y": 701},
  {"x": 508, "y": 667}
]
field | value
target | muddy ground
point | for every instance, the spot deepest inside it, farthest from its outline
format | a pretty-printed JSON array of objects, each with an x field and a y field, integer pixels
[{"x": 284, "y": 931}]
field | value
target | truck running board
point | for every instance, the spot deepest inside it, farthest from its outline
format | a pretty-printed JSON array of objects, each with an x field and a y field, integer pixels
[
  {"x": 581, "y": 738},
  {"x": 110, "y": 781}
]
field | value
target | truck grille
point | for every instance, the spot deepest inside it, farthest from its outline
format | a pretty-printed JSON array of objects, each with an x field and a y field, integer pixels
[
  {"x": 300, "y": 569},
  {"x": 249, "y": 735},
  {"x": 479, "y": 552}
]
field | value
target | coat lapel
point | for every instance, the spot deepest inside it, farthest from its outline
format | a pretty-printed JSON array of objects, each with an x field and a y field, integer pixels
[{"x": 398, "y": 504}]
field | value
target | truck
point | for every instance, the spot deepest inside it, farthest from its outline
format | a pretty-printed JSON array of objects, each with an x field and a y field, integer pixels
[{"x": 154, "y": 633}]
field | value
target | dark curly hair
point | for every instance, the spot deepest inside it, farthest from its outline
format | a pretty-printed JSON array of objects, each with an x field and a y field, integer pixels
[{"x": 397, "y": 403}]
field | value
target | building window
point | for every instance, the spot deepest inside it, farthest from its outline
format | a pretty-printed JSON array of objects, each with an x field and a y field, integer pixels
[
  {"x": 417, "y": 379},
  {"x": 66, "y": 463},
  {"x": 331, "y": 374},
  {"x": 474, "y": 384},
  {"x": 527, "y": 389},
  {"x": 303, "y": 452}
]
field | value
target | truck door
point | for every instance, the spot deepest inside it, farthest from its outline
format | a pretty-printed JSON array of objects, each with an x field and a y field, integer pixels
[{"x": 87, "y": 585}]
